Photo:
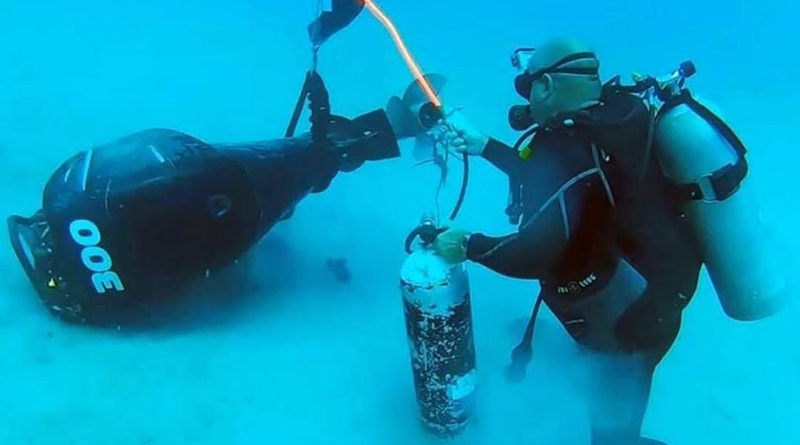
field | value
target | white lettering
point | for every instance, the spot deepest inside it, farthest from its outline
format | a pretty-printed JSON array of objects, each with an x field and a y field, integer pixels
[
  {"x": 85, "y": 232},
  {"x": 94, "y": 257},
  {"x": 107, "y": 280}
]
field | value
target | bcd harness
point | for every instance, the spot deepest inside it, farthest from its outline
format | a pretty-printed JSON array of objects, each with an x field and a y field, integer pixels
[{"x": 717, "y": 186}]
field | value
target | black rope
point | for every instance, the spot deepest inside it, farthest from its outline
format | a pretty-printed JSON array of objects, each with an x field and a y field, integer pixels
[
  {"x": 523, "y": 353},
  {"x": 304, "y": 91},
  {"x": 463, "y": 193},
  {"x": 298, "y": 110}
]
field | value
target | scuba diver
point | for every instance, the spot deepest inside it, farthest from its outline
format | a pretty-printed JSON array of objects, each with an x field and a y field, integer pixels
[
  {"x": 621, "y": 196},
  {"x": 127, "y": 225}
]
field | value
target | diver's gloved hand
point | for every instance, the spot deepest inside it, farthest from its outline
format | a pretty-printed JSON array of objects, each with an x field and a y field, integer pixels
[
  {"x": 462, "y": 136},
  {"x": 451, "y": 245}
]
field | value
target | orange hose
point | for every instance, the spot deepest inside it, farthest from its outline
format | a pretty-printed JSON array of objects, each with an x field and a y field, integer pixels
[{"x": 401, "y": 46}]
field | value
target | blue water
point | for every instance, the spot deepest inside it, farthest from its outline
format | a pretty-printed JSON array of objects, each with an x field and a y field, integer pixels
[{"x": 303, "y": 359}]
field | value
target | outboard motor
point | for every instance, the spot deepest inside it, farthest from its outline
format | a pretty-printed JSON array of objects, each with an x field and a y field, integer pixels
[{"x": 129, "y": 223}]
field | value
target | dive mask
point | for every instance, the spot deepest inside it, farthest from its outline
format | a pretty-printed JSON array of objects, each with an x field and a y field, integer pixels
[
  {"x": 519, "y": 116},
  {"x": 521, "y": 58}
]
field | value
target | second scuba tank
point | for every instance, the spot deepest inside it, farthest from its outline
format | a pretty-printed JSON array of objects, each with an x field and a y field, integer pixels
[
  {"x": 700, "y": 154},
  {"x": 438, "y": 316}
]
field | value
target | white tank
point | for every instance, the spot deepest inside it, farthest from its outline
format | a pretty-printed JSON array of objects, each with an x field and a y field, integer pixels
[
  {"x": 438, "y": 316},
  {"x": 738, "y": 250}
]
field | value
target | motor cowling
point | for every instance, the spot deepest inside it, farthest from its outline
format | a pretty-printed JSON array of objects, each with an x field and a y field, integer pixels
[{"x": 126, "y": 225}]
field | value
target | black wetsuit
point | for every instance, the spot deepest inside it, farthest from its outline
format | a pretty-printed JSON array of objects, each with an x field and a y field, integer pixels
[{"x": 591, "y": 197}]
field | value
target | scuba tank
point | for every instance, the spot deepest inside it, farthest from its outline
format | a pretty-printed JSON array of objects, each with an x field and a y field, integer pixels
[
  {"x": 438, "y": 316},
  {"x": 705, "y": 160},
  {"x": 701, "y": 155}
]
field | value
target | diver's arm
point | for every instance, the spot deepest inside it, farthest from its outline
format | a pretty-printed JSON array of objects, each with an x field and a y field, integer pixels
[
  {"x": 503, "y": 157},
  {"x": 528, "y": 254},
  {"x": 465, "y": 138},
  {"x": 550, "y": 227}
]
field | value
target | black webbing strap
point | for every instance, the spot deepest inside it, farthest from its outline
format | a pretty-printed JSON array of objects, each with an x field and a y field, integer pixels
[{"x": 723, "y": 183}]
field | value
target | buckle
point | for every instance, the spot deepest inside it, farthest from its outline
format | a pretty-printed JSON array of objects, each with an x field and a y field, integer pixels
[
  {"x": 721, "y": 184},
  {"x": 514, "y": 213},
  {"x": 708, "y": 191}
]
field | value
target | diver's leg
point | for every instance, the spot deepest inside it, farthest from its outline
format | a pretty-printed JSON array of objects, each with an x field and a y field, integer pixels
[
  {"x": 621, "y": 383},
  {"x": 618, "y": 393}
]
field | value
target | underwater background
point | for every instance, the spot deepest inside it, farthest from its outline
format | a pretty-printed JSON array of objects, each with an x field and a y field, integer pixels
[{"x": 277, "y": 351}]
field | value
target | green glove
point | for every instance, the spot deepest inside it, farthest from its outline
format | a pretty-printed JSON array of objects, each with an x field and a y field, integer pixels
[{"x": 451, "y": 245}]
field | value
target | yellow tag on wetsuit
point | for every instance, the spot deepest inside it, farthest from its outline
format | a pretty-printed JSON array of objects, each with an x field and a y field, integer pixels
[{"x": 526, "y": 153}]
